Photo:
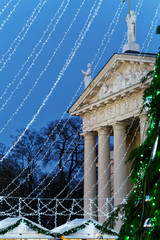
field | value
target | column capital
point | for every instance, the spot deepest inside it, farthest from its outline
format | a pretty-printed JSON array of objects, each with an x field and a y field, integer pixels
[
  {"x": 103, "y": 130},
  {"x": 119, "y": 125},
  {"x": 90, "y": 134}
]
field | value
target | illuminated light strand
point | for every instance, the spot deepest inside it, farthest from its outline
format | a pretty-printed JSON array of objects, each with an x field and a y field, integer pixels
[
  {"x": 91, "y": 167},
  {"x": 30, "y": 21},
  {"x": 125, "y": 33},
  {"x": 105, "y": 169},
  {"x": 118, "y": 190},
  {"x": 44, "y": 178},
  {"x": 50, "y": 170},
  {"x": 53, "y": 211},
  {"x": 59, "y": 120},
  {"x": 122, "y": 158},
  {"x": 153, "y": 31},
  {"x": 68, "y": 61},
  {"x": 103, "y": 40},
  {"x": 108, "y": 40},
  {"x": 13, "y": 181},
  {"x": 33, "y": 51},
  {"x": 63, "y": 199},
  {"x": 10, "y": 14},
  {"x": 2, "y": 11},
  {"x": 34, "y": 60},
  {"x": 123, "y": 201}
]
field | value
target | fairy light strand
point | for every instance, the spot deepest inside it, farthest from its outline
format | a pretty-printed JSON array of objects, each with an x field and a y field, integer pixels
[
  {"x": 25, "y": 29},
  {"x": 9, "y": 15},
  {"x": 33, "y": 51},
  {"x": 36, "y": 56},
  {"x": 67, "y": 63},
  {"x": 4, "y": 8}
]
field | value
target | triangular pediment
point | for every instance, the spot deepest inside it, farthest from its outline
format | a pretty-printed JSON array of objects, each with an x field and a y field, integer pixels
[
  {"x": 121, "y": 72},
  {"x": 121, "y": 80}
]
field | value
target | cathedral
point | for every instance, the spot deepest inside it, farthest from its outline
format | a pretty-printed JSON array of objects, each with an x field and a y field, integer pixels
[{"x": 111, "y": 106}]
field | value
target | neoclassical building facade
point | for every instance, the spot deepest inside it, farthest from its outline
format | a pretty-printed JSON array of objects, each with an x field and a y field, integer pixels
[{"x": 111, "y": 106}]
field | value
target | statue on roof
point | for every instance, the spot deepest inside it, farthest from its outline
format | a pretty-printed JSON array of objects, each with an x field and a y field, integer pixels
[
  {"x": 87, "y": 75},
  {"x": 131, "y": 23}
]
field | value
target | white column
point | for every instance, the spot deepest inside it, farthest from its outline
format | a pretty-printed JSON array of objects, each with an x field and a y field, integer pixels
[
  {"x": 143, "y": 127},
  {"x": 120, "y": 169},
  {"x": 104, "y": 191},
  {"x": 89, "y": 175}
]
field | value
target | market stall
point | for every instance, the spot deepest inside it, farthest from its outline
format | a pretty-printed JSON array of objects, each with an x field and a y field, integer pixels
[
  {"x": 81, "y": 229},
  {"x": 23, "y": 228}
]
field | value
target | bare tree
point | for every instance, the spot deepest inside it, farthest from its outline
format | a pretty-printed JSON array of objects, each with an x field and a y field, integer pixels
[{"x": 66, "y": 149}]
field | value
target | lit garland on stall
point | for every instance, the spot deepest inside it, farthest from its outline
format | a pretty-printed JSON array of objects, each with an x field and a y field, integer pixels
[
  {"x": 27, "y": 223},
  {"x": 80, "y": 227}
]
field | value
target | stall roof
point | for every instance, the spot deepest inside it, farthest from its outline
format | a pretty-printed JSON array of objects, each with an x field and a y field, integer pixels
[
  {"x": 81, "y": 229},
  {"x": 23, "y": 228}
]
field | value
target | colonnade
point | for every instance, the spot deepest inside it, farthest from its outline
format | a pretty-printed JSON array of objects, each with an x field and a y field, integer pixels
[{"x": 92, "y": 196}]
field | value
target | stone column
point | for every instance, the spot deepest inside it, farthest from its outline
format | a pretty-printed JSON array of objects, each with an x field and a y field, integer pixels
[
  {"x": 120, "y": 169},
  {"x": 90, "y": 175},
  {"x": 143, "y": 127},
  {"x": 104, "y": 192}
]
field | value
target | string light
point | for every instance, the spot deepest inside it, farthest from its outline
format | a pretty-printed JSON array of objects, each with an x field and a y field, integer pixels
[
  {"x": 108, "y": 40},
  {"x": 67, "y": 63},
  {"x": 19, "y": 39},
  {"x": 34, "y": 49},
  {"x": 108, "y": 31},
  {"x": 4, "y": 8},
  {"x": 36, "y": 56},
  {"x": 9, "y": 15}
]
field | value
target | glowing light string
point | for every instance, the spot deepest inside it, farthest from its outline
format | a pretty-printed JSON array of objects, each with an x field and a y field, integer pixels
[
  {"x": 108, "y": 40},
  {"x": 138, "y": 7},
  {"x": 13, "y": 181},
  {"x": 33, "y": 52},
  {"x": 36, "y": 56},
  {"x": 103, "y": 40},
  {"x": 59, "y": 120},
  {"x": 9, "y": 15},
  {"x": 20, "y": 38},
  {"x": 52, "y": 131},
  {"x": 152, "y": 27},
  {"x": 68, "y": 61},
  {"x": 4, "y": 8}
]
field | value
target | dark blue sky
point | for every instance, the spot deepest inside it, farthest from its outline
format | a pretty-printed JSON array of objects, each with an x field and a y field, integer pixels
[{"x": 72, "y": 78}]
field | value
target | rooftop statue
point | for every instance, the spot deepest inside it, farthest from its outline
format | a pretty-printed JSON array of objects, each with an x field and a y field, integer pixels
[
  {"x": 87, "y": 75},
  {"x": 131, "y": 23}
]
